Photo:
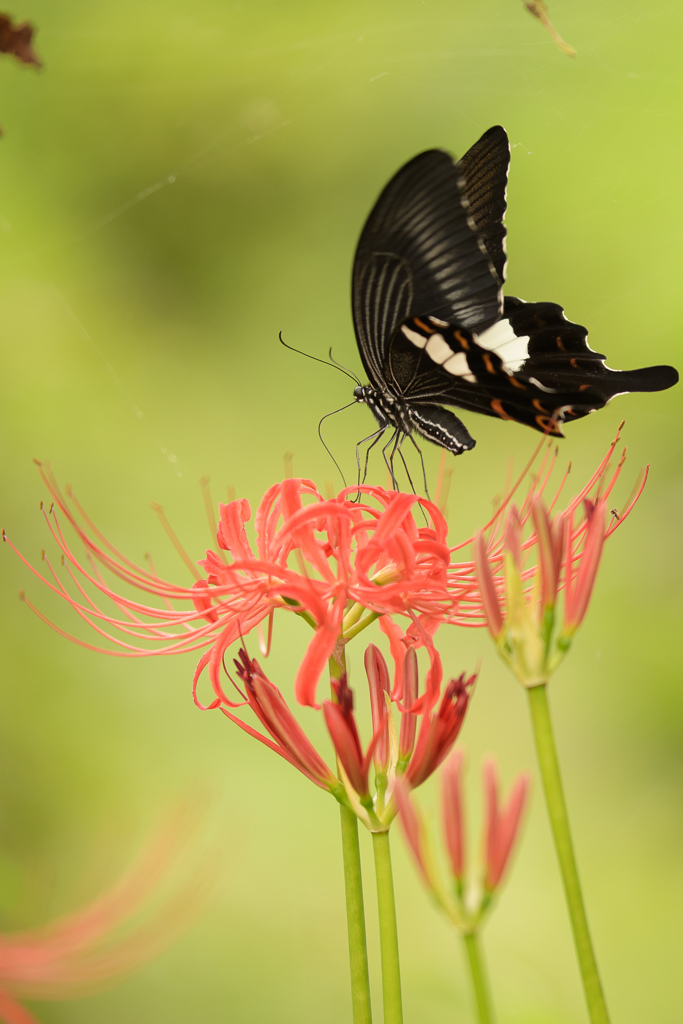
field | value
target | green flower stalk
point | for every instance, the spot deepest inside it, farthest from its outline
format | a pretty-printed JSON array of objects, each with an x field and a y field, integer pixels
[{"x": 535, "y": 583}]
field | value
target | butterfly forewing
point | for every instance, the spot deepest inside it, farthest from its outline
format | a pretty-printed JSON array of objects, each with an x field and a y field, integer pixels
[
  {"x": 419, "y": 252},
  {"x": 484, "y": 169}
]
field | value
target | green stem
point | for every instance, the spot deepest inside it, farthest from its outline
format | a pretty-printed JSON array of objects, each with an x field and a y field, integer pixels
[
  {"x": 360, "y": 625},
  {"x": 388, "y": 934},
  {"x": 479, "y": 980},
  {"x": 557, "y": 810},
  {"x": 355, "y": 918}
]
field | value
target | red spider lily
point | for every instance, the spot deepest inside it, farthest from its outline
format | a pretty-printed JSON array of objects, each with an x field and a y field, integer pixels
[
  {"x": 536, "y": 556},
  {"x": 287, "y": 737},
  {"x": 81, "y": 951},
  {"x": 553, "y": 551},
  {"x": 370, "y": 800},
  {"x": 337, "y": 563},
  {"x": 465, "y": 905},
  {"x": 417, "y": 756}
]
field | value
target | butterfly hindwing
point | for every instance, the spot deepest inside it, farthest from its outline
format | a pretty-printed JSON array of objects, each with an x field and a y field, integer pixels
[
  {"x": 431, "y": 362},
  {"x": 559, "y": 355}
]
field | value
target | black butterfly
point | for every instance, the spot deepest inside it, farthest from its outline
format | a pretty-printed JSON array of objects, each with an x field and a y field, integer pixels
[{"x": 433, "y": 327}]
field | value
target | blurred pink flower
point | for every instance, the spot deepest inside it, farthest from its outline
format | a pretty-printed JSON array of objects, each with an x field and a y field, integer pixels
[
  {"x": 465, "y": 903},
  {"x": 117, "y": 932},
  {"x": 502, "y": 823}
]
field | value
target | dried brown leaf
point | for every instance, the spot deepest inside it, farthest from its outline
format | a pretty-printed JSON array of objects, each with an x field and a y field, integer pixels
[
  {"x": 18, "y": 40},
  {"x": 539, "y": 10}
]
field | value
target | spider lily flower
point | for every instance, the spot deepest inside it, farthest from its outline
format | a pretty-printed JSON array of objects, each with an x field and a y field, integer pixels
[
  {"x": 369, "y": 794},
  {"x": 466, "y": 901},
  {"x": 337, "y": 563},
  {"x": 537, "y": 570},
  {"x": 286, "y": 737},
  {"x": 84, "y": 950},
  {"x": 423, "y": 749},
  {"x": 528, "y": 548}
]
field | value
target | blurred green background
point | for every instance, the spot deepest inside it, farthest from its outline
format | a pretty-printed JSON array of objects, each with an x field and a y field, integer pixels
[{"x": 179, "y": 184}]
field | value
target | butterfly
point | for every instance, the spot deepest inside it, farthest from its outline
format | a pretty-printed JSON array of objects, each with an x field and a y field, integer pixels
[{"x": 432, "y": 324}]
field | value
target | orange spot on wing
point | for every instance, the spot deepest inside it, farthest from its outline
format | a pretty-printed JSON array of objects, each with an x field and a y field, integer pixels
[
  {"x": 423, "y": 326},
  {"x": 497, "y": 407},
  {"x": 488, "y": 364},
  {"x": 549, "y": 425},
  {"x": 464, "y": 343}
]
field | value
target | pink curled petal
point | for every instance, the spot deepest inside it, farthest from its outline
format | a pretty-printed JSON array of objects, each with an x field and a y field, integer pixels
[
  {"x": 397, "y": 646},
  {"x": 439, "y": 731},
  {"x": 406, "y": 739},
  {"x": 439, "y": 524},
  {"x": 202, "y": 601},
  {"x": 506, "y": 829},
  {"x": 453, "y": 816},
  {"x": 413, "y": 829},
  {"x": 346, "y": 746},
  {"x": 578, "y": 598},
  {"x": 487, "y": 587},
  {"x": 423, "y": 757},
  {"x": 232, "y": 535},
  {"x": 203, "y": 662},
  {"x": 513, "y": 536},
  {"x": 12, "y": 1012},
  {"x": 393, "y": 519},
  {"x": 319, "y": 652},
  {"x": 271, "y": 708},
  {"x": 490, "y": 777},
  {"x": 266, "y": 521},
  {"x": 434, "y": 677},
  {"x": 378, "y": 682},
  {"x": 546, "y": 552}
]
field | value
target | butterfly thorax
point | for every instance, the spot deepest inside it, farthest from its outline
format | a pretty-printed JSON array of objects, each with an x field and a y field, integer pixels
[{"x": 387, "y": 409}]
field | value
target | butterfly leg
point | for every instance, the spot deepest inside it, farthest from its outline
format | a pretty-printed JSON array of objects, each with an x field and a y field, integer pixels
[
  {"x": 371, "y": 437},
  {"x": 389, "y": 459},
  {"x": 422, "y": 463}
]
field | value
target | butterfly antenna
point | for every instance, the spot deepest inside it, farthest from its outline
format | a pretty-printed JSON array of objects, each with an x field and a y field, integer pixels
[
  {"x": 318, "y": 360},
  {"x": 320, "y": 425},
  {"x": 345, "y": 369}
]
